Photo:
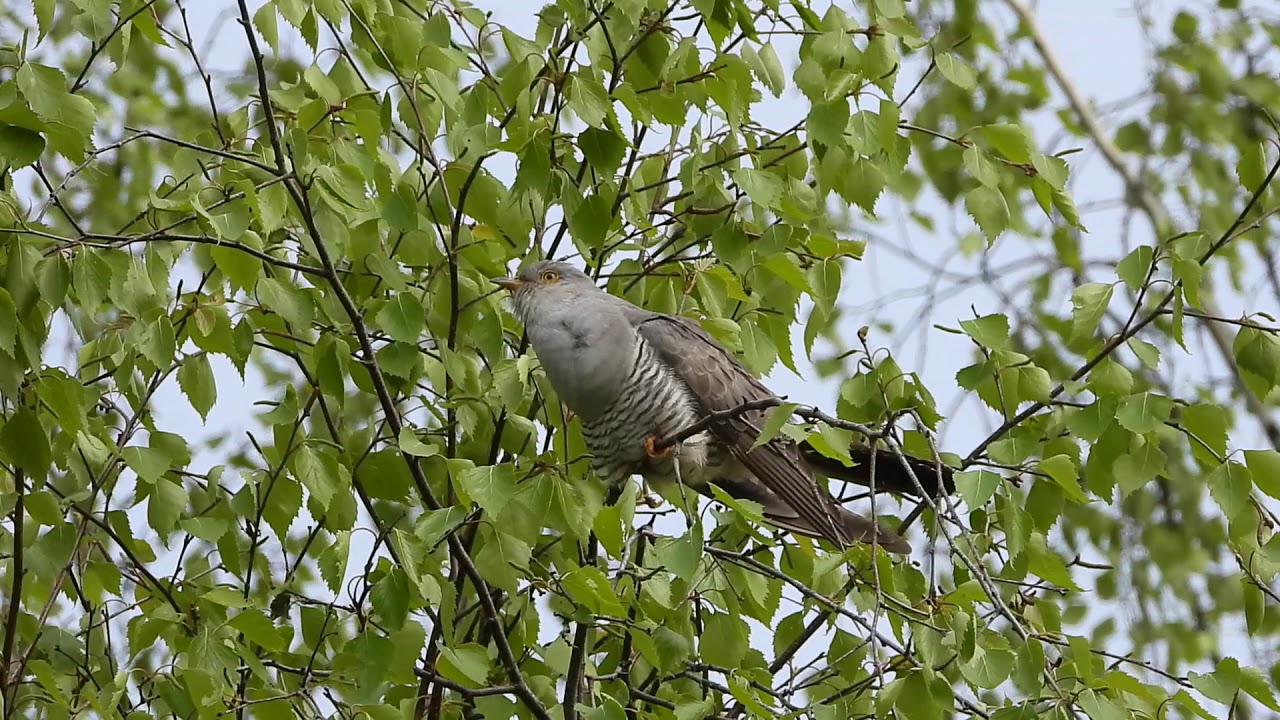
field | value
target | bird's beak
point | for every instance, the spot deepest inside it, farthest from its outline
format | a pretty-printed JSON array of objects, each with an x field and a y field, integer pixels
[{"x": 508, "y": 283}]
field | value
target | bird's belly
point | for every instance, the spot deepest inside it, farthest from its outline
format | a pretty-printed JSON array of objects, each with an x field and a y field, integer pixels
[{"x": 617, "y": 437}]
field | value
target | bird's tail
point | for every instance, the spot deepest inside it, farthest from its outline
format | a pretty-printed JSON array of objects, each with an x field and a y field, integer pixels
[
  {"x": 890, "y": 475},
  {"x": 856, "y": 527}
]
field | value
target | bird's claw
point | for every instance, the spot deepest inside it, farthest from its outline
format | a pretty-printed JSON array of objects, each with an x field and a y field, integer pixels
[{"x": 652, "y": 451}]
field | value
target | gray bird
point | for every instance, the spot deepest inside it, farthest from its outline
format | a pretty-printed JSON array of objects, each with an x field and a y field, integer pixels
[{"x": 634, "y": 377}]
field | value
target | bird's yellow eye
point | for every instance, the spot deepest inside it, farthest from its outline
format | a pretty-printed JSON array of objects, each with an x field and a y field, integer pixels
[{"x": 549, "y": 276}]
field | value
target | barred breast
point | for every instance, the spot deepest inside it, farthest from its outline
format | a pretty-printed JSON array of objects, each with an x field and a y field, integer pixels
[{"x": 653, "y": 402}]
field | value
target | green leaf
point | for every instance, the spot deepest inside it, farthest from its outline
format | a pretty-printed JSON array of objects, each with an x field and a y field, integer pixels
[
  {"x": 981, "y": 167},
  {"x": 287, "y": 301},
  {"x": 1045, "y": 563},
  {"x": 1208, "y": 424},
  {"x": 1135, "y": 266},
  {"x": 1220, "y": 685},
  {"x": 1138, "y": 467},
  {"x": 990, "y": 331},
  {"x": 991, "y": 663},
  {"x": 1144, "y": 412},
  {"x": 1012, "y": 141},
  {"x": 258, "y": 628},
  {"x": 282, "y": 506},
  {"x": 149, "y": 464},
  {"x": 500, "y": 556},
  {"x": 1088, "y": 305},
  {"x": 589, "y": 99},
  {"x": 1264, "y": 467},
  {"x": 976, "y": 487},
  {"x": 767, "y": 68},
  {"x": 8, "y": 324},
  {"x": 775, "y": 418},
  {"x": 403, "y": 318},
  {"x": 195, "y": 377},
  {"x": 1062, "y": 471},
  {"x": 760, "y": 185},
  {"x": 1147, "y": 354},
  {"x": 1110, "y": 379},
  {"x": 827, "y": 121},
  {"x": 1251, "y": 168},
  {"x": 467, "y": 665},
  {"x": 390, "y": 598},
  {"x": 310, "y": 470},
  {"x": 589, "y": 588},
  {"x": 957, "y": 71},
  {"x": 987, "y": 207},
  {"x": 683, "y": 555},
  {"x": 604, "y": 149},
  {"x": 759, "y": 353},
  {"x": 1101, "y": 707},
  {"x": 19, "y": 146},
  {"x": 1230, "y": 485},
  {"x": 490, "y": 486},
  {"x": 1258, "y": 353},
  {"x": 411, "y": 444}
]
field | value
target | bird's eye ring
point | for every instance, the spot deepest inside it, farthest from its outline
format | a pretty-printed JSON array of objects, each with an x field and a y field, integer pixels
[{"x": 549, "y": 276}]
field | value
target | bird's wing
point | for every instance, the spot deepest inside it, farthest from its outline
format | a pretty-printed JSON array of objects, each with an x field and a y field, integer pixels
[{"x": 721, "y": 383}]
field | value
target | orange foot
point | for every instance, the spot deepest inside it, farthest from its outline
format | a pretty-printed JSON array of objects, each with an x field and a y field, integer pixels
[{"x": 653, "y": 452}]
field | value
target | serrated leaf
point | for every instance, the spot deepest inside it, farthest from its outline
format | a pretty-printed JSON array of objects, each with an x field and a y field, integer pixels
[
  {"x": 149, "y": 464},
  {"x": 1144, "y": 412},
  {"x": 761, "y": 186},
  {"x": 1088, "y": 306},
  {"x": 411, "y": 444},
  {"x": 467, "y": 664},
  {"x": 1230, "y": 485},
  {"x": 1045, "y": 563},
  {"x": 1011, "y": 141},
  {"x": 403, "y": 318},
  {"x": 959, "y": 72},
  {"x": 1264, "y": 468},
  {"x": 977, "y": 486},
  {"x": 287, "y": 301},
  {"x": 981, "y": 167},
  {"x": 990, "y": 331},
  {"x": 589, "y": 99},
  {"x": 988, "y": 208},
  {"x": 775, "y": 418},
  {"x": 1135, "y": 266},
  {"x": 1063, "y": 472},
  {"x": 490, "y": 486},
  {"x": 314, "y": 476},
  {"x": 827, "y": 121},
  {"x": 195, "y": 377}
]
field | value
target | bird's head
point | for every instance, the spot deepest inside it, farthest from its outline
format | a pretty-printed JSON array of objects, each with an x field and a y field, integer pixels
[{"x": 546, "y": 283}]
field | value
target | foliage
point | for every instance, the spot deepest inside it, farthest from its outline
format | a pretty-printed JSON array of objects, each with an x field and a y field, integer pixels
[{"x": 399, "y": 521}]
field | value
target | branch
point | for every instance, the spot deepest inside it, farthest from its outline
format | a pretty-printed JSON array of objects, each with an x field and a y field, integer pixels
[{"x": 16, "y": 572}]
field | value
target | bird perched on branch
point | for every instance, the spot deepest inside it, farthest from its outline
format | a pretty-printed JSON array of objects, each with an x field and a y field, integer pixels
[{"x": 637, "y": 378}]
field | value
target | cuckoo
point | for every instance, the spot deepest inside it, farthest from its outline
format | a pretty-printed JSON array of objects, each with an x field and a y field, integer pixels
[{"x": 635, "y": 377}]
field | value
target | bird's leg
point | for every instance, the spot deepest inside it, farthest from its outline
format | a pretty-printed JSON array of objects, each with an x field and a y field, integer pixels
[
  {"x": 649, "y": 496},
  {"x": 652, "y": 451},
  {"x": 684, "y": 501}
]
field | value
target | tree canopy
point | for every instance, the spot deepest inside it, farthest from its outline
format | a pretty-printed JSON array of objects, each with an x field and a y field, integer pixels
[{"x": 271, "y": 444}]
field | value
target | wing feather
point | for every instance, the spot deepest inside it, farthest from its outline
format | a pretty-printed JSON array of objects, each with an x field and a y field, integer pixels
[{"x": 720, "y": 383}]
